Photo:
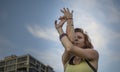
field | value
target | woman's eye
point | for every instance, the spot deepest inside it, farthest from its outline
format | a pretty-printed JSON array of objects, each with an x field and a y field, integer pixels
[{"x": 79, "y": 37}]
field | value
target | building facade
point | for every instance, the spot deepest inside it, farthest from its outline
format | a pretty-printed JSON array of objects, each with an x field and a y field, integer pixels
[{"x": 25, "y": 63}]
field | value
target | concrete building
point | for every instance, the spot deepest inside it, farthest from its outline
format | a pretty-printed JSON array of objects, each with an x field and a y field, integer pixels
[{"x": 25, "y": 63}]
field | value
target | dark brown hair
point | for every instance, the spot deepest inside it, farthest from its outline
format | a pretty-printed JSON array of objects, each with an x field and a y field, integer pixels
[{"x": 88, "y": 43}]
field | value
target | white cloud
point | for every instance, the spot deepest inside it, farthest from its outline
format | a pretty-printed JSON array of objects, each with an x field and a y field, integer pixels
[{"x": 43, "y": 32}]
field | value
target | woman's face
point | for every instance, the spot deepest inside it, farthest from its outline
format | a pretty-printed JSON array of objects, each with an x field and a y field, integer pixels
[{"x": 79, "y": 39}]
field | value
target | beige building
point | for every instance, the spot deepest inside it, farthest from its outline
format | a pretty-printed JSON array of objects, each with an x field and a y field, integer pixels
[{"x": 25, "y": 63}]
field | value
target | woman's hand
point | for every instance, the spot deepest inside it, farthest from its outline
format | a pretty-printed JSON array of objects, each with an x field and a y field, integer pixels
[
  {"x": 60, "y": 24},
  {"x": 67, "y": 14}
]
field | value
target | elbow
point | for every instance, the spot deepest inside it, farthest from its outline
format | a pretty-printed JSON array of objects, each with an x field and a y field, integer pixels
[{"x": 69, "y": 48}]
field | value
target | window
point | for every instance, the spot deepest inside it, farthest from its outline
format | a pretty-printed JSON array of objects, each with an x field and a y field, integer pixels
[
  {"x": 9, "y": 62},
  {"x": 2, "y": 63},
  {"x": 1, "y": 69},
  {"x": 22, "y": 65},
  {"x": 11, "y": 67},
  {"x": 32, "y": 60},
  {"x": 22, "y": 59}
]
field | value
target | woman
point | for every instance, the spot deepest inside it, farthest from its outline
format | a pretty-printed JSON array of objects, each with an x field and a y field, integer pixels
[{"x": 79, "y": 55}]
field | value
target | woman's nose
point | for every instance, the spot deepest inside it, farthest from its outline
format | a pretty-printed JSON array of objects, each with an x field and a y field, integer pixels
[{"x": 76, "y": 39}]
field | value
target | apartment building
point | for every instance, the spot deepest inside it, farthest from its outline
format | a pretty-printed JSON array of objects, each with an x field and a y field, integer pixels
[{"x": 25, "y": 63}]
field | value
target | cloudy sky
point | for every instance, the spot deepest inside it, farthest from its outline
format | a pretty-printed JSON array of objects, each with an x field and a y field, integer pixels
[{"x": 27, "y": 27}]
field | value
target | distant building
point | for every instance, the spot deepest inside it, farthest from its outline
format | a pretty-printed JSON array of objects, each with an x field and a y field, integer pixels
[{"x": 25, "y": 63}]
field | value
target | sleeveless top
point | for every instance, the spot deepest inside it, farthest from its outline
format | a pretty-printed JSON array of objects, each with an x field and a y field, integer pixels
[{"x": 82, "y": 67}]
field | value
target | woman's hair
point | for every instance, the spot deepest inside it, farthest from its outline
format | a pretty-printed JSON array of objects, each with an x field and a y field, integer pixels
[{"x": 88, "y": 43}]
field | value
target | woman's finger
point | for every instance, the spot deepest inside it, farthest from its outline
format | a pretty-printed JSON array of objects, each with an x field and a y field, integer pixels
[
  {"x": 68, "y": 10},
  {"x": 62, "y": 22},
  {"x": 64, "y": 9},
  {"x": 72, "y": 12},
  {"x": 55, "y": 22}
]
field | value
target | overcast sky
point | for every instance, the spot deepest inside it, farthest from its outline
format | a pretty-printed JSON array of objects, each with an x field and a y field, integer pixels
[{"x": 27, "y": 27}]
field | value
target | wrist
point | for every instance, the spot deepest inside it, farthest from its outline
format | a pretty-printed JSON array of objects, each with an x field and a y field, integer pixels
[
  {"x": 60, "y": 31},
  {"x": 70, "y": 22},
  {"x": 62, "y": 35}
]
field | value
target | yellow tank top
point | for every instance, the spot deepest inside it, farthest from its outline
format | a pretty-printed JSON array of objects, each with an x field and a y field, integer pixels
[{"x": 82, "y": 67}]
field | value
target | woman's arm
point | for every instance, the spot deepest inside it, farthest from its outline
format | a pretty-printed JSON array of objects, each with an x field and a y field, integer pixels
[
  {"x": 83, "y": 53},
  {"x": 70, "y": 27},
  {"x": 67, "y": 40},
  {"x": 66, "y": 55},
  {"x": 70, "y": 30}
]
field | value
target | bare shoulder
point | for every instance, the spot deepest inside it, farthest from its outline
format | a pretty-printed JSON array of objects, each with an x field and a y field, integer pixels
[
  {"x": 93, "y": 53},
  {"x": 96, "y": 54},
  {"x": 95, "y": 59}
]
